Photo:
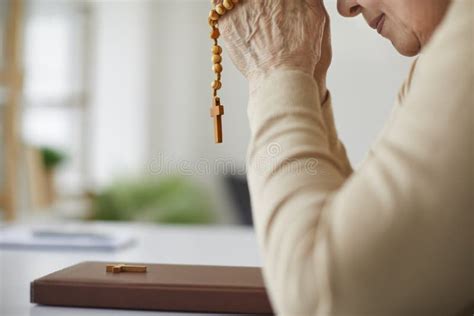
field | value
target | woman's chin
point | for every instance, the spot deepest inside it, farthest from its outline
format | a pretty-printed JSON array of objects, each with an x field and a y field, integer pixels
[{"x": 407, "y": 49}]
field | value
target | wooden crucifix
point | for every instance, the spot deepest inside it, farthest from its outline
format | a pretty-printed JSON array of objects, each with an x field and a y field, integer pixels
[{"x": 217, "y": 110}]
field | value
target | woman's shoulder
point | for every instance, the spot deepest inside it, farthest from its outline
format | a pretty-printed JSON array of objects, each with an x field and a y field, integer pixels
[
  {"x": 449, "y": 56},
  {"x": 446, "y": 64},
  {"x": 453, "y": 40}
]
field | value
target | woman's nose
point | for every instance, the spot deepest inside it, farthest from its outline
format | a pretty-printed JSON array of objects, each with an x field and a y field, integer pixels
[{"x": 348, "y": 8}]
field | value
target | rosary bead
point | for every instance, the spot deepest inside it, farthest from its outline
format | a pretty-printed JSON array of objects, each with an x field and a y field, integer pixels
[
  {"x": 216, "y": 50},
  {"x": 211, "y": 22},
  {"x": 215, "y": 33},
  {"x": 216, "y": 59},
  {"x": 216, "y": 85},
  {"x": 228, "y": 4},
  {"x": 220, "y": 9},
  {"x": 217, "y": 68},
  {"x": 213, "y": 15}
]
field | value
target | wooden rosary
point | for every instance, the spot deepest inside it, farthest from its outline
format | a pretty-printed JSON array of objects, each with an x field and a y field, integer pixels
[{"x": 217, "y": 109}]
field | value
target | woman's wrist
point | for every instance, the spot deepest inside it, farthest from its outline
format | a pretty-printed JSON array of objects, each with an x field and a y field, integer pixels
[{"x": 323, "y": 91}]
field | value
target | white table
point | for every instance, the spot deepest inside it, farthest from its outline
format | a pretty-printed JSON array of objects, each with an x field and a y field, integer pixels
[{"x": 156, "y": 244}]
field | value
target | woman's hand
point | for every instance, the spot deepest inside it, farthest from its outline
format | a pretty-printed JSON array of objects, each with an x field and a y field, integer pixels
[
  {"x": 262, "y": 35},
  {"x": 322, "y": 66}
]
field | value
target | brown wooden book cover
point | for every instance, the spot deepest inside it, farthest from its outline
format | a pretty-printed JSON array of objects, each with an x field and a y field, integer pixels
[{"x": 188, "y": 288}]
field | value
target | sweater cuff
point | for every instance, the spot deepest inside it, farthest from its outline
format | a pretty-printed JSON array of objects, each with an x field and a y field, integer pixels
[{"x": 280, "y": 92}]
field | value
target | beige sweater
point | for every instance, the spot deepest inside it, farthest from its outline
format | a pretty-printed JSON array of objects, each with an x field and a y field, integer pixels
[{"x": 394, "y": 237}]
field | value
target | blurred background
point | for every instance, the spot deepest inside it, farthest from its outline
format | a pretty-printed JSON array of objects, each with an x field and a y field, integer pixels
[{"x": 104, "y": 110}]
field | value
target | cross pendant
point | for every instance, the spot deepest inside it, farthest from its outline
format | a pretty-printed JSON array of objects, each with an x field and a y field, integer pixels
[
  {"x": 217, "y": 110},
  {"x": 117, "y": 268}
]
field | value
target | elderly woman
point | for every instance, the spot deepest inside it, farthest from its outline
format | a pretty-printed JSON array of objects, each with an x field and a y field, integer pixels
[{"x": 394, "y": 237}]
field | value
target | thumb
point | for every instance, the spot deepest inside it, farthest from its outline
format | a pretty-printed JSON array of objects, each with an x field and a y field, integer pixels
[{"x": 326, "y": 48}]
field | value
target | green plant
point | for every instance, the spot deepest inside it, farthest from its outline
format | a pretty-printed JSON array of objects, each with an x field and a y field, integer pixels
[
  {"x": 51, "y": 157},
  {"x": 166, "y": 200}
]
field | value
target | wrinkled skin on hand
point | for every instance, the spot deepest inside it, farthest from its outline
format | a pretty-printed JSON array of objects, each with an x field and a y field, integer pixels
[{"x": 262, "y": 35}]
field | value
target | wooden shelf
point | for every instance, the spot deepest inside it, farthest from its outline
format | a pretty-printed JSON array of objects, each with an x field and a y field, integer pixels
[
  {"x": 3, "y": 78},
  {"x": 11, "y": 78}
]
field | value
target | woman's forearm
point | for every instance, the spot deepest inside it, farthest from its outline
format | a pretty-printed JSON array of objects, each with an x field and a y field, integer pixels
[{"x": 293, "y": 171}]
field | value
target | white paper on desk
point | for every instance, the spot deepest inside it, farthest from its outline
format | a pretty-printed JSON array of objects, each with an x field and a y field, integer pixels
[{"x": 17, "y": 237}]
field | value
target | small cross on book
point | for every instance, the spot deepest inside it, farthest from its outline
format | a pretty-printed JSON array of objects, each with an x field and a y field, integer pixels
[{"x": 117, "y": 268}]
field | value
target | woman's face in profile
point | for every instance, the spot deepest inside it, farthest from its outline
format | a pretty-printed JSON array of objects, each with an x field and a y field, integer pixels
[{"x": 408, "y": 24}]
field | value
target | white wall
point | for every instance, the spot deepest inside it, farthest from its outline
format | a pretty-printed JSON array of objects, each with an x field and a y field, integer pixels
[
  {"x": 181, "y": 89},
  {"x": 120, "y": 89}
]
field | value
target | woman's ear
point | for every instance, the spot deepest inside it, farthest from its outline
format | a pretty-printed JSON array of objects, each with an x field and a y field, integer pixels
[{"x": 348, "y": 8}]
